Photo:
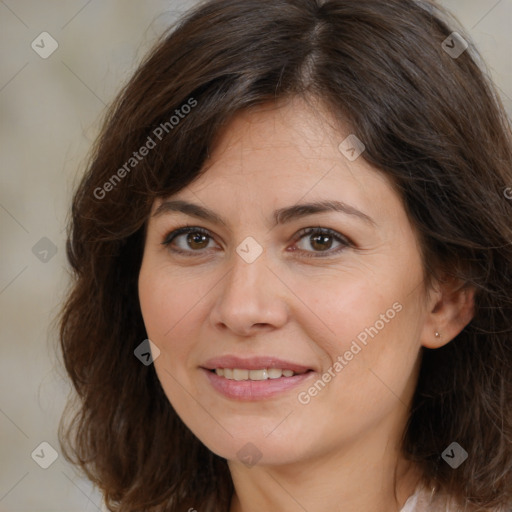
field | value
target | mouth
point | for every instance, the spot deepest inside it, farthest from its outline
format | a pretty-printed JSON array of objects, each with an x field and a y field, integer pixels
[
  {"x": 240, "y": 374},
  {"x": 254, "y": 379}
]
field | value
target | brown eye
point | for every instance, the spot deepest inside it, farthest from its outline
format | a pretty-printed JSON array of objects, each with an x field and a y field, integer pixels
[
  {"x": 320, "y": 240},
  {"x": 196, "y": 240}
]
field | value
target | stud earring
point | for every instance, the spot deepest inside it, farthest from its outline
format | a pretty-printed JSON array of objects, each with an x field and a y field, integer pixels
[{"x": 437, "y": 335}]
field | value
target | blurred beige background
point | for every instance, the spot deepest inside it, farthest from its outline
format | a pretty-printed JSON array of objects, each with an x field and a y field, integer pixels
[{"x": 50, "y": 113}]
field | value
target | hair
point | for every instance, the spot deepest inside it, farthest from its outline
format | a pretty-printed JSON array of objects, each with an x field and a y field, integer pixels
[{"x": 432, "y": 123}]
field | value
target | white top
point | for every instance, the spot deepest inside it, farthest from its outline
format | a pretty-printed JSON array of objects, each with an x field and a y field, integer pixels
[
  {"x": 411, "y": 505},
  {"x": 422, "y": 501}
]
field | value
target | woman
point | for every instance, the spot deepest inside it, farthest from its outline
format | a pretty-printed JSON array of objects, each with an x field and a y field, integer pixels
[{"x": 293, "y": 266}]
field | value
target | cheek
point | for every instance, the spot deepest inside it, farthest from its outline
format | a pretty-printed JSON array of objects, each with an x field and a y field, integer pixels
[
  {"x": 164, "y": 304},
  {"x": 166, "y": 298},
  {"x": 352, "y": 306},
  {"x": 375, "y": 362},
  {"x": 173, "y": 308},
  {"x": 371, "y": 327}
]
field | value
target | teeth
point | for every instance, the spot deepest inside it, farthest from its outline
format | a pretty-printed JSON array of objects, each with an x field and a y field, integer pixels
[
  {"x": 240, "y": 374},
  {"x": 258, "y": 374},
  {"x": 275, "y": 373},
  {"x": 263, "y": 374}
]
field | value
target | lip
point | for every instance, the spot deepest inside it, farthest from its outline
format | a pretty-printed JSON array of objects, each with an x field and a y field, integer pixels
[
  {"x": 253, "y": 390},
  {"x": 254, "y": 363}
]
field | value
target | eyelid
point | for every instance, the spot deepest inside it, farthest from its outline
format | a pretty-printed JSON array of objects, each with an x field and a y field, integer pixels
[
  {"x": 342, "y": 239},
  {"x": 171, "y": 235},
  {"x": 327, "y": 231}
]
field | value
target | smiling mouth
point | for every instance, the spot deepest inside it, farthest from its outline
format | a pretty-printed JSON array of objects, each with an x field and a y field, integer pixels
[{"x": 239, "y": 374}]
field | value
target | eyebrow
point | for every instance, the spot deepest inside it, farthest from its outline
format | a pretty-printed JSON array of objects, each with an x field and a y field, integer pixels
[{"x": 280, "y": 216}]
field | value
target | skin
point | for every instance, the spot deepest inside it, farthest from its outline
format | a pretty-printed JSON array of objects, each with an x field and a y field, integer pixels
[{"x": 341, "y": 450}]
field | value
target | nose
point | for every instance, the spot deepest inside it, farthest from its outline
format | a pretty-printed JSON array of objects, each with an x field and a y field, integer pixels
[{"x": 250, "y": 298}]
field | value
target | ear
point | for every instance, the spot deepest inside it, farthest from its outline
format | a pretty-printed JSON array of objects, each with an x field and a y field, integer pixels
[{"x": 450, "y": 307}]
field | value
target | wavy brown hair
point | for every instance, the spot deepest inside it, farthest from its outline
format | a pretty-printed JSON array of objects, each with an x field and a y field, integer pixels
[{"x": 431, "y": 122}]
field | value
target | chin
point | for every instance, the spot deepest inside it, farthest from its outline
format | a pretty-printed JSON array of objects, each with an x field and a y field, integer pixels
[{"x": 256, "y": 449}]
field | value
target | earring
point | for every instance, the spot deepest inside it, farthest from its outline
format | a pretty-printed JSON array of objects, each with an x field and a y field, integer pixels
[{"x": 437, "y": 335}]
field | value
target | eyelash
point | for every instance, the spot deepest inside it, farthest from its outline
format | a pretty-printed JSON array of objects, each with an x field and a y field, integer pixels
[{"x": 345, "y": 242}]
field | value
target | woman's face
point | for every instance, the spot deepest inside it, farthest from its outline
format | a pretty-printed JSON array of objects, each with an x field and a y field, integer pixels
[{"x": 336, "y": 296}]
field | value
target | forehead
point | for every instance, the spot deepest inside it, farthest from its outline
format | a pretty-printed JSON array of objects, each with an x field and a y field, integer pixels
[
  {"x": 289, "y": 128},
  {"x": 278, "y": 154}
]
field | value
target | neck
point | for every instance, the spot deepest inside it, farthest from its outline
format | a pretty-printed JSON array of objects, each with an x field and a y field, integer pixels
[{"x": 363, "y": 476}]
